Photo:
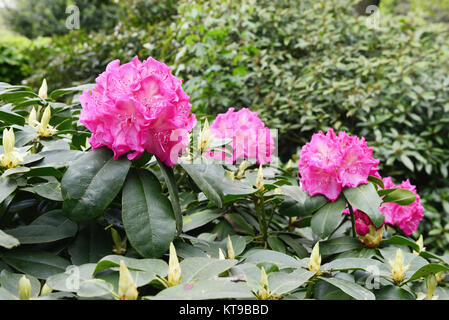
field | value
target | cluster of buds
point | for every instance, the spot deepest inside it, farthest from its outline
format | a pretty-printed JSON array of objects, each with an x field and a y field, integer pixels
[
  {"x": 397, "y": 267},
  {"x": 11, "y": 157},
  {"x": 42, "y": 128}
]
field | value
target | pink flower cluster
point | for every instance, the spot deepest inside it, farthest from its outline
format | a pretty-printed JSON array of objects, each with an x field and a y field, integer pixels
[
  {"x": 138, "y": 106},
  {"x": 329, "y": 163},
  {"x": 407, "y": 218},
  {"x": 251, "y": 139}
]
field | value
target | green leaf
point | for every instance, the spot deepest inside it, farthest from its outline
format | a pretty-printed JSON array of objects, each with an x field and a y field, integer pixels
[
  {"x": 71, "y": 278},
  {"x": 338, "y": 245},
  {"x": 91, "y": 183},
  {"x": 205, "y": 177},
  {"x": 307, "y": 205},
  {"x": 402, "y": 241},
  {"x": 402, "y": 197},
  {"x": 424, "y": 271},
  {"x": 8, "y": 241},
  {"x": 297, "y": 247},
  {"x": 57, "y": 93},
  {"x": 393, "y": 293},
  {"x": 205, "y": 290},
  {"x": 48, "y": 190},
  {"x": 169, "y": 177},
  {"x": 327, "y": 218},
  {"x": 91, "y": 244},
  {"x": 281, "y": 282},
  {"x": 280, "y": 259},
  {"x": 239, "y": 223},
  {"x": 200, "y": 218},
  {"x": 10, "y": 117},
  {"x": 407, "y": 162},
  {"x": 147, "y": 214},
  {"x": 51, "y": 226},
  {"x": 95, "y": 288},
  {"x": 148, "y": 267},
  {"x": 39, "y": 264},
  {"x": 366, "y": 199},
  {"x": 377, "y": 181},
  {"x": 7, "y": 186},
  {"x": 354, "y": 290},
  {"x": 199, "y": 268}
]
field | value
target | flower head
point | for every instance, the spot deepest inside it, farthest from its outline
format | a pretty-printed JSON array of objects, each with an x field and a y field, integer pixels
[
  {"x": 251, "y": 139},
  {"x": 407, "y": 218},
  {"x": 329, "y": 163},
  {"x": 367, "y": 233},
  {"x": 138, "y": 106}
]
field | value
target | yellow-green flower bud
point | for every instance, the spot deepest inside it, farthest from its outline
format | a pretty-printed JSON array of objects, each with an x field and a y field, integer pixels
[
  {"x": 221, "y": 255},
  {"x": 231, "y": 253},
  {"x": 420, "y": 243},
  {"x": 431, "y": 284},
  {"x": 24, "y": 288},
  {"x": 127, "y": 289},
  {"x": 11, "y": 158},
  {"x": 204, "y": 138},
  {"x": 46, "y": 289},
  {"x": 397, "y": 267},
  {"x": 32, "y": 118},
  {"x": 259, "y": 180},
  {"x": 242, "y": 167},
  {"x": 315, "y": 259},
  {"x": 43, "y": 128},
  {"x": 43, "y": 90},
  {"x": 174, "y": 269},
  {"x": 230, "y": 175},
  {"x": 440, "y": 276}
]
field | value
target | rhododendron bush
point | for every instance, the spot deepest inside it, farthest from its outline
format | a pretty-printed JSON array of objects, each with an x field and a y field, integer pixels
[{"x": 120, "y": 183}]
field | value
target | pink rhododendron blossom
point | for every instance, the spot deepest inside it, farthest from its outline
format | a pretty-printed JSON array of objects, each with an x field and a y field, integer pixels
[
  {"x": 407, "y": 218},
  {"x": 251, "y": 139},
  {"x": 328, "y": 163},
  {"x": 138, "y": 106}
]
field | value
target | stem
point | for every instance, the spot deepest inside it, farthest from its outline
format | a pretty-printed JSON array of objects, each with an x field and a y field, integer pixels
[
  {"x": 354, "y": 234},
  {"x": 309, "y": 290}
]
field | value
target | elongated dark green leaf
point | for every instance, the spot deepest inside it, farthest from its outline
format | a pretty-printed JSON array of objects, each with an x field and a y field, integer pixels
[
  {"x": 354, "y": 290},
  {"x": 7, "y": 186},
  {"x": 338, "y": 245},
  {"x": 306, "y": 205},
  {"x": 199, "y": 268},
  {"x": 91, "y": 183},
  {"x": 198, "y": 219},
  {"x": 327, "y": 218},
  {"x": 39, "y": 264},
  {"x": 147, "y": 214},
  {"x": 281, "y": 282},
  {"x": 393, "y": 293},
  {"x": 366, "y": 199},
  {"x": 400, "y": 240},
  {"x": 48, "y": 190},
  {"x": 57, "y": 93},
  {"x": 402, "y": 197},
  {"x": 169, "y": 177},
  {"x": 206, "y": 180},
  {"x": 10, "y": 117},
  {"x": 51, "y": 226}
]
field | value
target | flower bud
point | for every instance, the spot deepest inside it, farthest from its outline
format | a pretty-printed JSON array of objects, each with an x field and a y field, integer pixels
[
  {"x": 440, "y": 276},
  {"x": 397, "y": 267},
  {"x": 205, "y": 138},
  {"x": 32, "y": 118},
  {"x": 174, "y": 269},
  {"x": 230, "y": 175},
  {"x": 231, "y": 253},
  {"x": 259, "y": 180},
  {"x": 119, "y": 245},
  {"x": 264, "y": 292},
  {"x": 43, "y": 128},
  {"x": 242, "y": 167},
  {"x": 315, "y": 259},
  {"x": 43, "y": 90},
  {"x": 11, "y": 158},
  {"x": 46, "y": 289},
  {"x": 127, "y": 290},
  {"x": 24, "y": 288},
  {"x": 221, "y": 255},
  {"x": 420, "y": 243},
  {"x": 373, "y": 238},
  {"x": 431, "y": 284}
]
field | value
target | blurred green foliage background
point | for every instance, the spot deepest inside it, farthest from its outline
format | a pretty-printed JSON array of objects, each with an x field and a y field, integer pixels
[{"x": 304, "y": 65}]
